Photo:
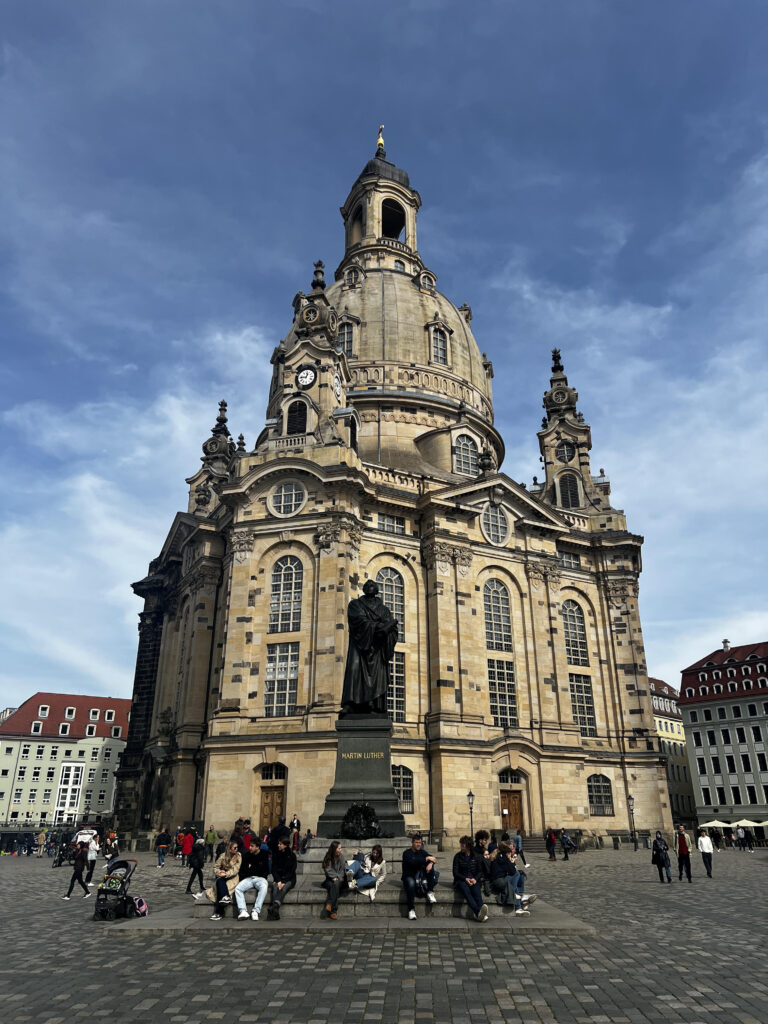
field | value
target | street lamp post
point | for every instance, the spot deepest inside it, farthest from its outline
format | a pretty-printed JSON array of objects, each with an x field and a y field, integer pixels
[
  {"x": 631, "y": 806},
  {"x": 471, "y": 803}
]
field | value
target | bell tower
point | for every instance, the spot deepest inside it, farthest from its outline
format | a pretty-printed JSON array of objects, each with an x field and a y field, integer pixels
[{"x": 565, "y": 441}]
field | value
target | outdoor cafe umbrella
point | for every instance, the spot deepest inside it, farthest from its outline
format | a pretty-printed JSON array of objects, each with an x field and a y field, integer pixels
[
  {"x": 714, "y": 824},
  {"x": 746, "y": 823}
]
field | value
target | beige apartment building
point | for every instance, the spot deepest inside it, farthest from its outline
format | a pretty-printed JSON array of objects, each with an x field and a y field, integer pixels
[{"x": 520, "y": 673}]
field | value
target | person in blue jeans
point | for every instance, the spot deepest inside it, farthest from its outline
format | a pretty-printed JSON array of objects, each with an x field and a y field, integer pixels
[
  {"x": 508, "y": 882},
  {"x": 253, "y": 875},
  {"x": 468, "y": 878},
  {"x": 419, "y": 875},
  {"x": 162, "y": 842}
]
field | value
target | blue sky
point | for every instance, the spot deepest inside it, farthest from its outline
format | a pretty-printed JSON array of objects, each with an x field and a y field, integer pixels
[{"x": 594, "y": 177}]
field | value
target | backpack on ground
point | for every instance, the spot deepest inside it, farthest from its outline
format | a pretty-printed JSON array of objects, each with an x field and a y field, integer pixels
[{"x": 142, "y": 910}]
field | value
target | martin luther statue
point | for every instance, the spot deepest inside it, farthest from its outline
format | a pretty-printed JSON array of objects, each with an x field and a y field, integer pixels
[{"x": 373, "y": 634}]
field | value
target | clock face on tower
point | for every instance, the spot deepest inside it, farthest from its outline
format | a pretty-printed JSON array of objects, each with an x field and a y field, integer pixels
[
  {"x": 559, "y": 396},
  {"x": 337, "y": 386},
  {"x": 306, "y": 377}
]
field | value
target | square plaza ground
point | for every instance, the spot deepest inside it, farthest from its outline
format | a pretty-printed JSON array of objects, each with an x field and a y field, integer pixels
[{"x": 689, "y": 953}]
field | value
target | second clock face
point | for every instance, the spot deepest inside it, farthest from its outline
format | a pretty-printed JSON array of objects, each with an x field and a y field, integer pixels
[
  {"x": 337, "y": 386},
  {"x": 306, "y": 377}
]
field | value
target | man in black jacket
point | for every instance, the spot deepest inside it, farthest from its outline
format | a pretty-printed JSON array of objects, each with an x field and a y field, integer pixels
[
  {"x": 280, "y": 831},
  {"x": 253, "y": 875},
  {"x": 283, "y": 875},
  {"x": 467, "y": 872},
  {"x": 481, "y": 852},
  {"x": 419, "y": 873}
]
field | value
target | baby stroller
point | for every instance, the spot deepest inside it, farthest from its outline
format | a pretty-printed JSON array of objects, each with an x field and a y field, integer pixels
[{"x": 112, "y": 899}]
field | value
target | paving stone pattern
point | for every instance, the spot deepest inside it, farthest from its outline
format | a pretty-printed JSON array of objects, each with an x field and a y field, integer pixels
[{"x": 693, "y": 954}]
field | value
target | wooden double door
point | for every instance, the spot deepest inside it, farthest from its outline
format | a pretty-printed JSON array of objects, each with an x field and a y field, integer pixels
[
  {"x": 272, "y": 807},
  {"x": 511, "y": 805}
]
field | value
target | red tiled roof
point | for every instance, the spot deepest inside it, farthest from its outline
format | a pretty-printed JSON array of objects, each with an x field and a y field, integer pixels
[
  {"x": 738, "y": 658},
  {"x": 738, "y": 654},
  {"x": 20, "y": 722},
  {"x": 659, "y": 686}
]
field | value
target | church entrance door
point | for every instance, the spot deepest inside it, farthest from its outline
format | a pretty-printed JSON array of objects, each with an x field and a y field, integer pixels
[
  {"x": 511, "y": 805},
  {"x": 272, "y": 807}
]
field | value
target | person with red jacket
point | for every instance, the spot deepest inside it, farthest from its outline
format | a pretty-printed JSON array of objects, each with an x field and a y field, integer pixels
[{"x": 187, "y": 842}]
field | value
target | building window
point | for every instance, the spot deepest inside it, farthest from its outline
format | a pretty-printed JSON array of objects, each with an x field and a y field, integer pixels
[
  {"x": 64, "y": 729},
  {"x": 697, "y": 739},
  {"x": 502, "y": 693},
  {"x": 36, "y": 773},
  {"x": 726, "y": 734},
  {"x": 396, "y": 688},
  {"x": 104, "y": 774},
  {"x": 273, "y": 772},
  {"x": 762, "y": 764},
  {"x": 715, "y": 763},
  {"x": 694, "y": 716},
  {"x": 288, "y": 498},
  {"x": 285, "y": 598},
  {"x": 498, "y": 617},
  {"x": 17, "y": 796},
  {"x": 42, "y": 711},
  {"x": 718, "y": 688},
  {"x": 402, "y": 781},
  {"x": 569, "y": 491},
  {"x": 707, "y": 714},
  {"x": 465, "y": 456},
  {"x": 46, "y": 796},
  {"x": 568, "y": 560},
  {"x": 733, "y": 687},
  {"x": 26, "y": 748},
  {"x": 720, "y": 711},
  {"x": 391, "y": 524},
  {"x": 54, "y": 753},
  {"x": 282, "y": 680},
  {"x": 102, "y": 796},
  {"x": 706, "y": 796},
  {"x": 701, "y": 764},
  {"x": 509, "y": 778},
  {"x": 741, "y": 736},
  {"x": 392, "y": 593},
  {"x": 600, "y": 796},
  {"x": 736, "y": 711},
  {"x": 69, "y": 713},
  {"x": 116, "y": 732},
  {"x": 107, "y": 753},
  {"x": 756, "y": 734},
  {"x": 752, "y": 710},
  {"x": 735, "y": 795},
  {"x": 49, "y": 775},
  {"x": 582, "y": 704},
  {"x": 344, "y": 338},
  {"x": 296, "y": 418},
  {"x": 21, "y": 774},
  {"x": 751, "y": 795},
  {"x": 352, "y": 278},
  {"x": 689, "y": 691},
  {"x": 439, "y": 346},
  {"x": 495, "y": 524},
  {"x": 746, "y": 763},
  {"x": 730, "y": 763},
  {"x": 400, "y": 266},
  {"x": 39, "y": 753},
  {"x": 91, "y": 774},
  {"x": 575, "y": 634},
  {"x": 109, "y": 716},
  {"x": 90, "y": 730},
  {"x": 94, "y": 753},
  {"x": 37, "y": 728},
  {"x": 93, "y": 714}
]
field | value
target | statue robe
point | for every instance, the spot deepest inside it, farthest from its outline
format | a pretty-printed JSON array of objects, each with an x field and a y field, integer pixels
[{"x": 373, "y": 634}]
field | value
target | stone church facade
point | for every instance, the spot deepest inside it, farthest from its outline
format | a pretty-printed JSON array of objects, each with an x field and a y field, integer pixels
[{"x": 520, "y": 672}]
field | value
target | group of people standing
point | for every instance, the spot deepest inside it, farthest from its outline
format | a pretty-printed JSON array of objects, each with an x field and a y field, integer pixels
[{"x": 683, "y": 847}]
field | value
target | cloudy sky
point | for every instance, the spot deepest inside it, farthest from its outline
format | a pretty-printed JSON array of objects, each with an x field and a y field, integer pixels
[{"x": 594, "y": 177}]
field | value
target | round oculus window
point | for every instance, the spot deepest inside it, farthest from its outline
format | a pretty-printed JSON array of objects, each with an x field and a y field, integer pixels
[
  {"x": 287, "y": 498},
  {"x": 565, "y": 451},
  {"x": 495, "y": 524}
]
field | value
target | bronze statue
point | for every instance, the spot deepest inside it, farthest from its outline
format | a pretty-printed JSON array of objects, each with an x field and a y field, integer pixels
[{"x": 373, "y": 634}]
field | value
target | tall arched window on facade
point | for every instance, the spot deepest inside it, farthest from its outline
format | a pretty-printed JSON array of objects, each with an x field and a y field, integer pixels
[
  {"x": 600, "y": 796},
  {"x": 285, "y": 596},
  {"x": 465, "y": 455},
  {"x": 569, "y": 491},
  {"x": 344, "y": 337},
  {"x": 575, "y": 633},
  {"x": 498, "y": 616},
  {"x": 296, "y": 418},
  {"x": 439, "y": 346},
  {"x": 392, "y": 593},
  {"x": 402, "y": 781}
]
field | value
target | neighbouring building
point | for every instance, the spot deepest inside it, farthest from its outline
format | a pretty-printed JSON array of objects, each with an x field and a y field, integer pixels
[
  {"x": 58, "y": 755},
  {"x": 724, "y": 703},
  {"x": 520, "y": 672},
  {"x": 669, "y": 729}
]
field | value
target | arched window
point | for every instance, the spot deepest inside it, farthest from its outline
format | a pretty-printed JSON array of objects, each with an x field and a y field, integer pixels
[
  {"x": 465, "y": 456},
  {"x": 399, "y": 265},
  {"x": 353, "y": 435},
  {"x": 600, "y": 796},
  {"x": 296, "y": 418},
  {"x": 392, "y": 593},
  {"x": 273, "y": 772},
  {"x": 285, "y": 598},
  {"x": 498, "y": 617},
  {"x": 575, "y": 634},
  {"x": 392, "y": 219},
  {"x": 356, "y": 227},
  {"x": 439, "y": 346},
  {"x": 495, "y": 523},
  {"x": 344, "y": 337},
  {"x": 509, "y": 778},
  {"x": 402, "y": 781},
  {"x": 569, "y": 491}
]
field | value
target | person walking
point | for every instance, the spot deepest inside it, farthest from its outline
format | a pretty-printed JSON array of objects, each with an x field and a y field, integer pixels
[
  {"x": 660, "y": 857},
  {"x": 566, "y": 843},
  {"x": 78, "y": 867},
  {"x": 683, "y": 847},
  {"x": 162, "y": 842},
  {"x": 518, "y": 841},
  {"x": 706, "y": 850},
  {"x": 550, "y": 841},
  {"x": 196, "y": 862},
  {"x": 40, "y": 843},
  {"x": 741, "y": 839},
  {"x": 187, "y": 842},
  {"x": 93, "y": 852},
  {"x": 335, "y": 881},
  {"x": 210, "y": 842}
]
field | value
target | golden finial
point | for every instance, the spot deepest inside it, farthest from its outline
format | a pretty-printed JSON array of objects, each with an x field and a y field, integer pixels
[{"x": 380, "y": 140}]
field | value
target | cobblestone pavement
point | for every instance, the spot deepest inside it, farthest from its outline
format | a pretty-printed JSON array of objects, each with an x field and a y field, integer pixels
[{"x": 693, "y": 954}]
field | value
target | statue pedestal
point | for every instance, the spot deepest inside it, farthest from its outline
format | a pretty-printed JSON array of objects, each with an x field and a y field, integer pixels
[{"x": 363, "y": 772}]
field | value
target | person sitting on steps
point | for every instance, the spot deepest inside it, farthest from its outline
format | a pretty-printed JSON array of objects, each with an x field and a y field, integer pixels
[
  {"x": 365, "y": 874},
  {"x": 283, "y": 875},
  {"x": 420, "y": 875},
  {"x": 253, "y": 875},
  {"x": 467, "y": 874},
  {"x": 508, "y": 882},
  {"x": 335, "y": 881},
  {"x": 482, "y": 838},
  {"x": 226, "y": 874}
]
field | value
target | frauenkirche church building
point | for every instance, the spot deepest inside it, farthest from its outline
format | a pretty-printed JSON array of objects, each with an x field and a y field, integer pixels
[{"x": 520, "y": 670}]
